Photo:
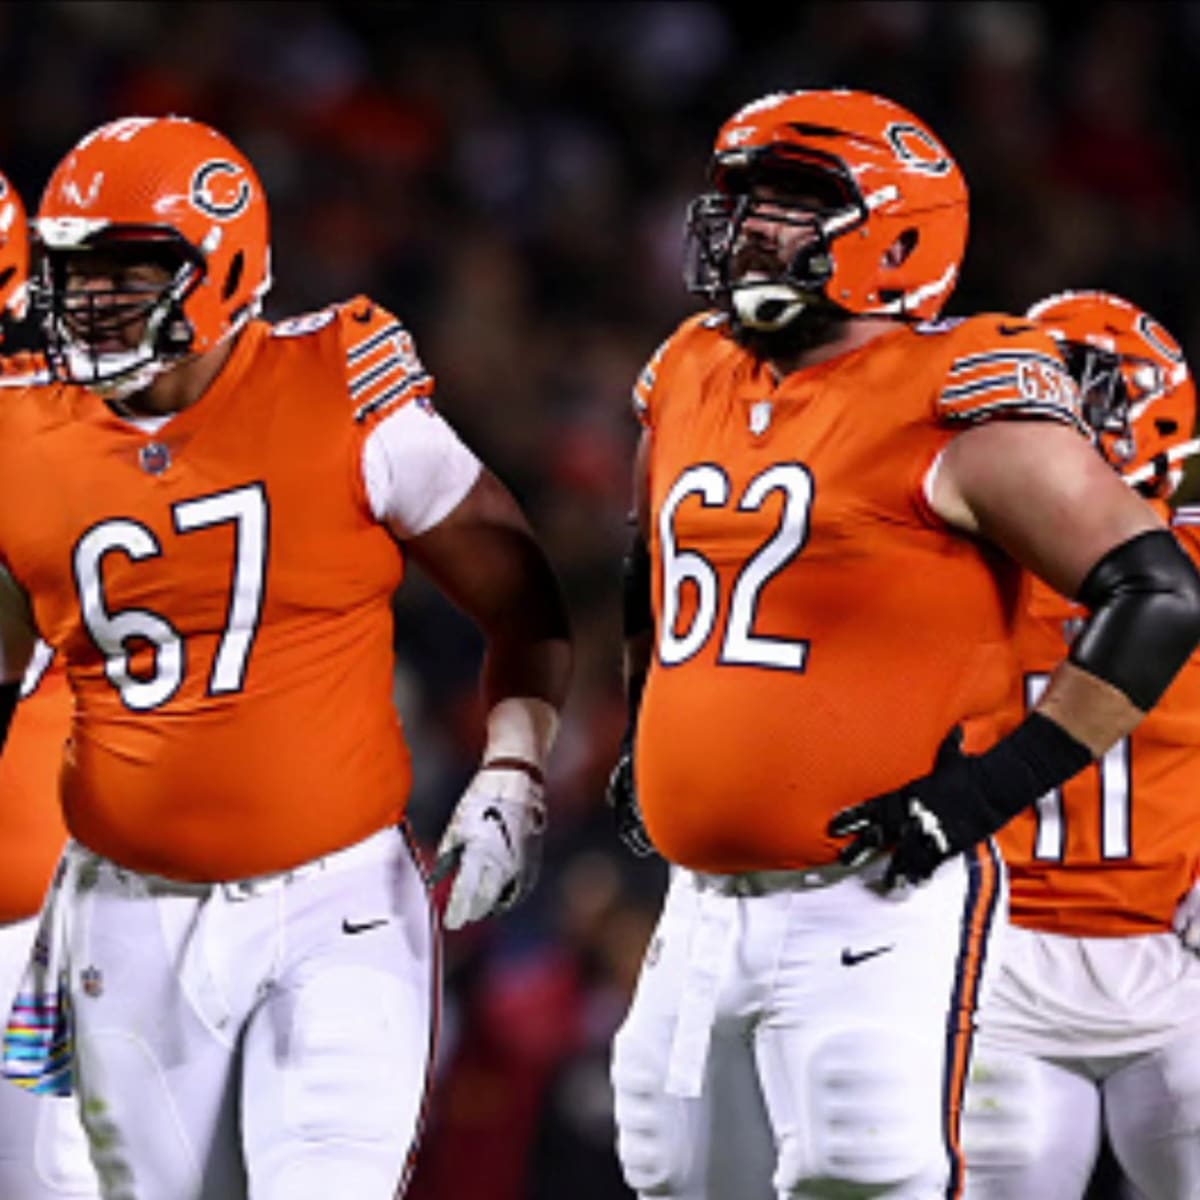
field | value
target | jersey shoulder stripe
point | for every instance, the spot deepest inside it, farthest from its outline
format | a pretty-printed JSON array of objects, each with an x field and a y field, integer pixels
[
  {"x": 971, "y": 364},
  {"x": 383, "y": 370},
  {"x": 1001, "y": 368},
  {"x": 371, "y": 350}
]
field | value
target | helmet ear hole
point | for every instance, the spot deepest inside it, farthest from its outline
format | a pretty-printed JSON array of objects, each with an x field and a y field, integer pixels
[
  {"x": 1166, "y": 427},
  {"x": 234, "y": 275},
  {"x": 897, "y": 253}
]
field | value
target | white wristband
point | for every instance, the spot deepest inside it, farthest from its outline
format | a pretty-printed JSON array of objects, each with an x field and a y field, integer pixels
[{"x": 521, "y": 727}]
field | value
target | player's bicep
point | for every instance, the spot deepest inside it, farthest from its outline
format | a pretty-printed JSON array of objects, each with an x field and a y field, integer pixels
[
  {"x": 18, "y": 633},
  {"x": 1042, "y": 494}
]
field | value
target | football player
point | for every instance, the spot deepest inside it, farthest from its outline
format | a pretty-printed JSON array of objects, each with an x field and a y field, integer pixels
[
  {"x": 206, "y": 518},
  {"x": 1093, "y": 1025},
  {"x": 43, "y": 1153},
  {"x": 837, "y": 493}
]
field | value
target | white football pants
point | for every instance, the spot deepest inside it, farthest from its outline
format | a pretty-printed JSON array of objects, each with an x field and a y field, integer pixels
[
  {"x": 1081, "y": 1037},
  {"x": 855, "y": 1007},
  {"x": 268, "y": 1039}
]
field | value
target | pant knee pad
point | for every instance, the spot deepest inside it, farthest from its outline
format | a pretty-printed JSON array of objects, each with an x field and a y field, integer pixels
[
  {"x": 1001, "y": 1121},
  {"x": 656, "y": 1142},
  {"x": 871, "y": 1116}
]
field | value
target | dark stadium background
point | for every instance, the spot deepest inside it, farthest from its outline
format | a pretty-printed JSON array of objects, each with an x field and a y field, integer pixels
[{"x": 510, "y": 179}]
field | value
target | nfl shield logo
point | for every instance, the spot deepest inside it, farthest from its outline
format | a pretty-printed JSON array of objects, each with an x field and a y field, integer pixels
[
  {"x": 155, "y": 458},
  {"x": 91, "y": 981}
]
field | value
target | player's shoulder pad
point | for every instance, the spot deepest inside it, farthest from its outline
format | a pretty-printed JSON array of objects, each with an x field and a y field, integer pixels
[
  {"x": 697, "y": 334},
  {"x": 382, "y": 369},
  {"x": 1000, "y": 366}
]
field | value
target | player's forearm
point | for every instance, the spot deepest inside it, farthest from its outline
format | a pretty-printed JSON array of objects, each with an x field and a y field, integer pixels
[
  {"x": 1089, "y": 709},
  {"x": 528, "y": 635},
  {"x": 533, "y": 667}
]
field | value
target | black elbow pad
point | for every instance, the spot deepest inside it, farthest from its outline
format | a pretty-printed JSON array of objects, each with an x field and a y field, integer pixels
[
  {"x": 1144, "y": 597},
  {"x": 636, "y": 611}
]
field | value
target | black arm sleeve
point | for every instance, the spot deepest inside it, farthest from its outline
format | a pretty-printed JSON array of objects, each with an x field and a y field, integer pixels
[
  {"x": 636, "y": 611},
  {"x": 9, "y": 695},
  {"x": 1144, "y": 597},
  {"x": 637, "y": 617}
]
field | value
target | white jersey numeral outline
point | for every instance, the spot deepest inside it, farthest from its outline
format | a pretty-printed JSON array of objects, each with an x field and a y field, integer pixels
[
  {"x": 246, "y": 507},
  {"x": 741, "y": 646},
  {"x": 1116, "y": 793}
]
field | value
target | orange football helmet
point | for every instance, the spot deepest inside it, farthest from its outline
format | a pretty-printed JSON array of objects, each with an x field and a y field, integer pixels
[
  {"x": 14, "y": 253},
  {"x": 161, "y": 190},
  {"x": 884, "y": 202},
  {"x": 1135, "y": 387}
]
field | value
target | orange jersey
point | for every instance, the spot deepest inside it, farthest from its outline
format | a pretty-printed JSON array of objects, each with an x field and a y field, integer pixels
[
  {"x": 32, "y": 833},
  {"x": 220, "y": 592},
  {"x": 819, "y": 629},
  {"x": 1113, "y": 851}
]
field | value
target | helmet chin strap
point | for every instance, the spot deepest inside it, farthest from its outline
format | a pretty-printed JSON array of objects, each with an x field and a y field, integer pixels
[
  {"x": 768, "y": 306},
  {"x": 131, "y": 381}
]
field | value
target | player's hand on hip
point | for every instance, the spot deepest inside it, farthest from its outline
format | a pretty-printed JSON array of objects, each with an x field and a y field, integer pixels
[
  {"x": 621, "y": 795},
  {"x": 1187, "y": 919},
  {"x": 494, "y": 838},
  {"x": 922, "y": 823}
]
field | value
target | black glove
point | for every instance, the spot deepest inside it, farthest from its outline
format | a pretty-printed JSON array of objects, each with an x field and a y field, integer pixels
[
  {"x": 621, "y": 795},
  {"x": 923, "y": 823},
  {"x": 964, "y": 800}
]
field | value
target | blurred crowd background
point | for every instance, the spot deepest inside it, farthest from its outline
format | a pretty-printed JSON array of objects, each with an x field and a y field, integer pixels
[{"x": 511, "y": 179}]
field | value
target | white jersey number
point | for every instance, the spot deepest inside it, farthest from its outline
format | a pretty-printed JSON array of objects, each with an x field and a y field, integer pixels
[
  {"x": 741, "y": 646},
  {"x": 117, "y": 634},
  {"x": 1115, "y": 797}
]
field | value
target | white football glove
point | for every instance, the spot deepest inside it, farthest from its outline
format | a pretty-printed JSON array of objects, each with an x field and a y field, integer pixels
[
  {"x": 495, "y": 838},
  {"x": 1187, "y": 919}
]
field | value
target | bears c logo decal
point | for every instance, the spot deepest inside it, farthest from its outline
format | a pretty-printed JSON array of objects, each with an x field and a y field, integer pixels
[
  {"x": 1159, "y": 338},
  {"x": 917, "y": 149},
  {"x": 221, "y": 189}
]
